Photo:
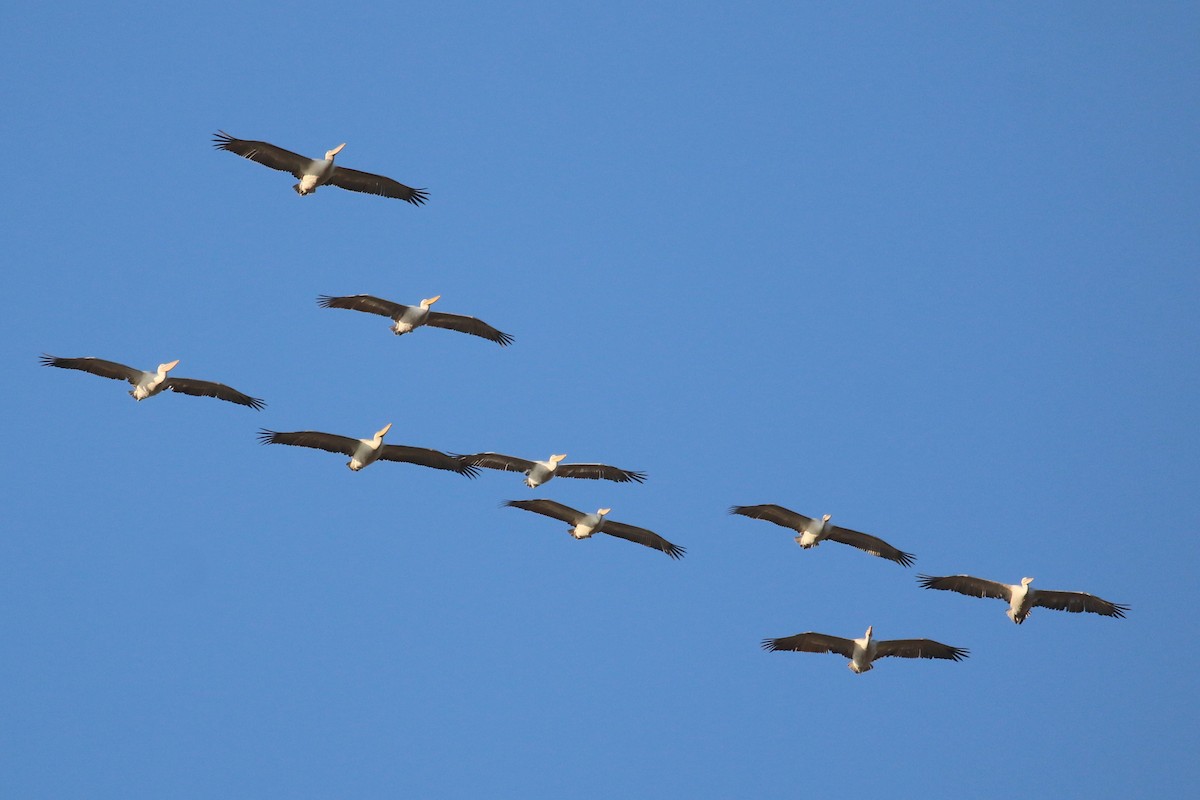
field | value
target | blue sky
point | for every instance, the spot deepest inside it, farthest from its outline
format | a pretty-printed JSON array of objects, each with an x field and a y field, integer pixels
[{"x": 931, "y": 269}]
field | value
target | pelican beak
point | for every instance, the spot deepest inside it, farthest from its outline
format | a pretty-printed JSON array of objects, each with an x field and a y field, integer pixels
[
  {"x": 603, "y": 511},
  {"x": 170, "y": 365},
  {"x": 557, "y": 459},
  {"x": 431, "y": 300},
  {"x": 335, "y": 150},
  {"x": 383, "y": 431},
  {"x": 870, "y": 630}
]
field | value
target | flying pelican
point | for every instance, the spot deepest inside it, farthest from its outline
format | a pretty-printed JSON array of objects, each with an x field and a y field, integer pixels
[
  {"x": 814, "y": 531},
  {"x": 862, "y": 652},
  {"x": 538, "y": 472},
  {"x": 315, "y": 172},
  {"x": 364, "y": 452},
  {"x": 148, "y": 384},
  {"x": 583, "y": 526},
  {"x": 1021, "y": 599},
  {"x": 407, "y": 318}
]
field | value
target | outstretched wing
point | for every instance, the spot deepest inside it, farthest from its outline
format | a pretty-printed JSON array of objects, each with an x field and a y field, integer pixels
[
  {"x": 549, "y": 508},
  {"x": 264, "y": 153},
  {"x": 642, "y": 536},
  {"x": 211, "y": 389},
  {"x": 1077, "y": 602},
  {"x": 471, "y": 325},
  {"x": 871, "y": 544},
  {"x": 363, "y": 302},
  {"x": 499, "y": 461},
  {"x": 369, "y": 183},
  {"x": 96, "y": 366},
  {"x": 968, "y": 585},
  {"x": 315, "y": 439},
  {"x": 427, "y": 458},
  {"x": 773, "y": 513},
  {"x": 599, "y": 472},
  {"x": 812, "y": 643},
  {"x": 919, "y": 648}
]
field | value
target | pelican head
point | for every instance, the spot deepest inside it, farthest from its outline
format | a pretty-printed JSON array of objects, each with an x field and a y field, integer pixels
[
  {"x": 329, "y": 154},
  {"x": 170, "y": 365},
  {"x": 1026, "y": 581},
  {"x": 379, "y": 434},
  {"x": 600, "y": 512},
  {"x": 826, "y": 518},
  {"x": 556, "y": 459},
  {"x": 870, "y": 631},
  {"x": 430, "y": 301}
]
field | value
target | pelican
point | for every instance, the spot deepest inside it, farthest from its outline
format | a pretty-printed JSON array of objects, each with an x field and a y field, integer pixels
[
  {"x": 1022, "y": 598},
  {"x": 538, "y": 472},
  {"x": 407, "y": 318},
  {"x": 315, "y": 172},
  {"x": 364, "y": 452},
  {"x": 148, "y": 384},
  {"x": 814, "y": 531},
  {"x": 583, "y": 526},
  {"x": 862, "y": 652}
]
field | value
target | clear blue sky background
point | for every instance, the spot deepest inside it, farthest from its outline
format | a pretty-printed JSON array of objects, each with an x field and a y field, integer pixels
[{"x": 931, "y": 269}]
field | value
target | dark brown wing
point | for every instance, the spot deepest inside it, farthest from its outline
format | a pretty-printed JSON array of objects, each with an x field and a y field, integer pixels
[
  {"x": 965, "y": 584},
  {"x": 210, "y": 389},
  {"x": 773, "y": 513},
  {"x": 599, "y": 472},
  {"x": 427, "y": 458},
  {"x": 499, "y": 461},
  {"x": 471, "y": 325},
  {"x": 812, "y": 643},
  {"x": 919, "y": 648},
  {"x": 315, "y": 439},
  {"x": 871, "y": 544},
  {"x": 96, "y": 366},
  {"x": 264, "y": 153},
  {"x": 549, "y": 508},
  {"x": 363, "y": 302},
  {"x": 1078, "y": 602},
  {"x": 641, "y": 536},
  {"x": 369, "y": 183}
]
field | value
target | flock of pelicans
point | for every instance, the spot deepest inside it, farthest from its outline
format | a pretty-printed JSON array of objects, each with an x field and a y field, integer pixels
[{"x": 862, "y": 652}]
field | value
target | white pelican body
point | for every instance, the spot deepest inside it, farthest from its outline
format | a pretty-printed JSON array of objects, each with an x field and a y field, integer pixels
[
  {"x": 318, "y": 172},
  {"x": 589, "y": 524},
  {"x": 542, "y": 471},
  {"x": 368, "y": 450},
  {"x": 151, "y": 383},
  {"x": 1022, "y": 597},
  {"x": 414, "y": 316},
  {"x": 816, "y": 531},
  {"x": 862, "y": 652}
]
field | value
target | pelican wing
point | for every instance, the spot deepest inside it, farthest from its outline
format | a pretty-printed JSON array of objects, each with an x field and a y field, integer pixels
[
  {"x": 211, "y": 389},
  {"x": 871, "y": 544},
  {"x": 919, "y": 648},
  {"x": 812, "y": 643},
  {"x": 773, "y": 513},
  {"x": 315, "y": 439},
  {"x": 96, "y": 366},
  {"x": 549, "y": 508},
  {"x": 427, "y": 458},
  {"x": 1077, "y": 602},
  {"x": 364, "y": 302},
  {"x": 368, "y": 183},
  {"x": 471, "y": 325},
  {"x": 599, "y": 472},
  {"x": 642, "y": 536},
  {"x": 264, "y": 153},
  {"x": 965, "y": 584},
  {"x": 499, "y": 461}
]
